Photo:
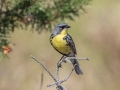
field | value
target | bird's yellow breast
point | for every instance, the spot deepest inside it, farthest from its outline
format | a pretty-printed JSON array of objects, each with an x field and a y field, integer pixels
[{"x": 60, "y": 44}]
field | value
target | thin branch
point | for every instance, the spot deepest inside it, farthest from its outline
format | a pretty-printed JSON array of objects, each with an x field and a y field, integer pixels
[
  {"x": 42, "y": 76},
  {"x": 51, "y": 85},
  {"x": 57, "y": 73},
  {"x": 59, "y": 65},
  {"x": 68, "y": 75},
  {"x": 41, "y": 83},
  {"x": 44, "y": 68},
  {"x": 57, "y": 82},
  {"x": 59, "y": 86},
  {"x": 68, "y": 58}
]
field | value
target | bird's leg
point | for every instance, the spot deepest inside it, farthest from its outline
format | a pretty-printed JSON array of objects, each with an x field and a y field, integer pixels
[
  {"x": 60, "y": 61},
  {"x": 58, "y": 66},
  {"x": 64, "y": 59}
]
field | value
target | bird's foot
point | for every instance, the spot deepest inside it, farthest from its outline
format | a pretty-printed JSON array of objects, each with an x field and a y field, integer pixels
[
  {"x": 65, "y": 61},
  {"x": 59, "y": 65}
]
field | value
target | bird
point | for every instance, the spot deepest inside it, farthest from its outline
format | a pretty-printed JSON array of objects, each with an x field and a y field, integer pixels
[{"x": 64, "y": 44}]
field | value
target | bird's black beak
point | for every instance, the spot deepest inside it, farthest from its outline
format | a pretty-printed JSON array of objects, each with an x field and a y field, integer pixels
[{"x": 67, "y": 26}]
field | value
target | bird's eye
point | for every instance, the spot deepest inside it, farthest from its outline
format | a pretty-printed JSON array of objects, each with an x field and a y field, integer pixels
[{"x": 61, "y": 27}]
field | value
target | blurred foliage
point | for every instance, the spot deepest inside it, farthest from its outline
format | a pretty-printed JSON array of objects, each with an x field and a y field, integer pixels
[{"x": 39, "y": 14}]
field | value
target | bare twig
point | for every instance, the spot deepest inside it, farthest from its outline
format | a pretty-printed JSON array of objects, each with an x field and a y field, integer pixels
[
  {"x": 68, "y": 58},
  {"x": 57, "y": 82},
  {"x": 57, "y": 73},
  {"x": 59, "y": 86},
  {"x": 51, "y": 85},
  {"x": 44, "y": 68},
  {"x": 42, "y": 76},
  {"x": 68, "y": 75},
  {"x": 59, "y": 65},
  {"x": 41, "y": 83}
]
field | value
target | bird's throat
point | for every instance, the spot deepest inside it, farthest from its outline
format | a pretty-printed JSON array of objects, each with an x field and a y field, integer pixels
[{"x": 64, "y": 32}]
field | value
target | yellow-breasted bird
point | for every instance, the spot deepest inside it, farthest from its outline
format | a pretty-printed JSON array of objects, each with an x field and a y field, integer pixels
[{"x": 64, "y": 44}]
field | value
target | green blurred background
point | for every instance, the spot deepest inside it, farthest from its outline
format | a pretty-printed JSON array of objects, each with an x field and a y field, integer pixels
[{"x": 96, "y": 35}]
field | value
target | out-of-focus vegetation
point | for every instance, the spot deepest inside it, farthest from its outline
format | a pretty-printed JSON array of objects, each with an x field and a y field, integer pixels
[
  {"x": 96, "y": 35},
  {"x": 39, "y": 14}
]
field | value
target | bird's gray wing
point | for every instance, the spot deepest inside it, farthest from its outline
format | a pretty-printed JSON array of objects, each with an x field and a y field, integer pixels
[{"x": 70, "y": 42}]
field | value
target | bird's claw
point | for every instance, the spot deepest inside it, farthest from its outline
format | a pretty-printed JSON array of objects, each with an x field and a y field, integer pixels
[
  {"x": 59, "y": 65},
  {"x": 65, "y": 61}
]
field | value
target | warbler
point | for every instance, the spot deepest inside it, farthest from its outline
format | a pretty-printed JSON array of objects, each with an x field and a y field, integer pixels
[{"x": 64, "y": 44}]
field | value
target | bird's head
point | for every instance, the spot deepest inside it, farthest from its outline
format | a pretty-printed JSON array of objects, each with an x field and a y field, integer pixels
[{"x": 61, "y": 28}]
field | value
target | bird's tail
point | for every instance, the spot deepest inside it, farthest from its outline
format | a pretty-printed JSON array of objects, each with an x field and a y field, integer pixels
[{"x": 76, "y": 65}]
